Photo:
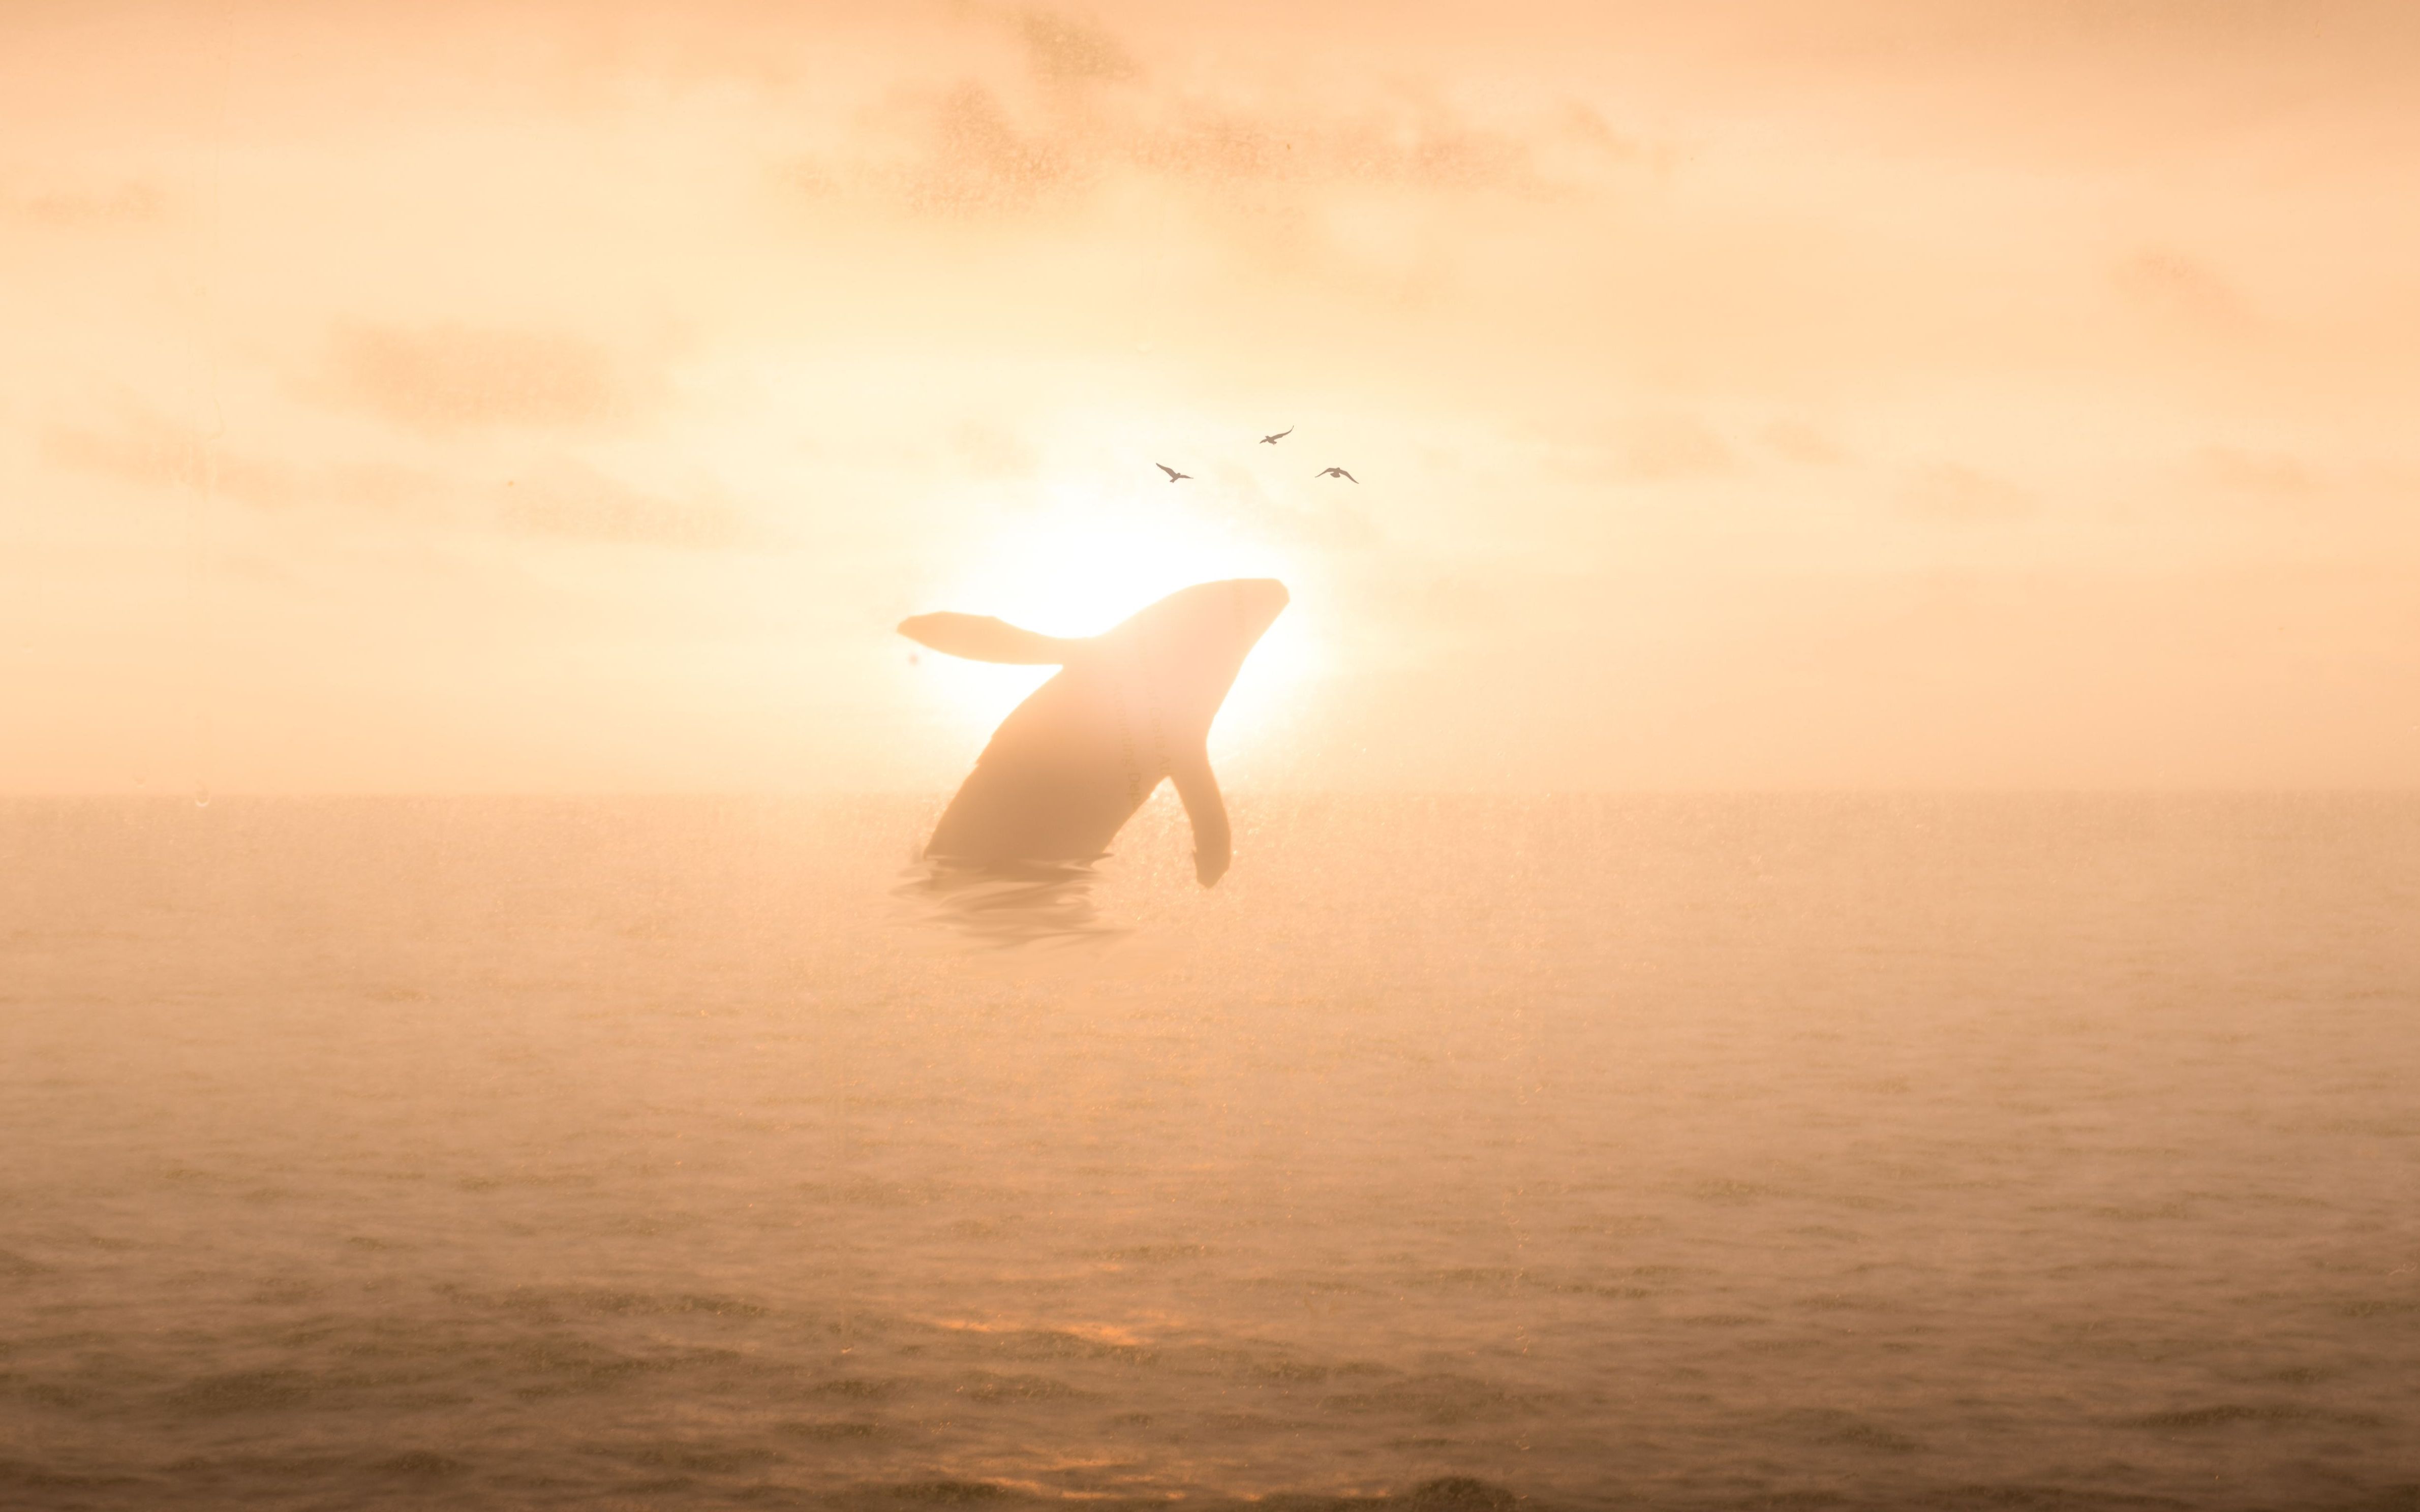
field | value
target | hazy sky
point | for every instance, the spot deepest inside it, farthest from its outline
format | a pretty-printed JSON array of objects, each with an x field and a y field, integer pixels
[{"x": 571, "y": 398}]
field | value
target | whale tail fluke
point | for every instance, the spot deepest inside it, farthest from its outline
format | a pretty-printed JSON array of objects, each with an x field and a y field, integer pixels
[{"x": 981, "y": 638}]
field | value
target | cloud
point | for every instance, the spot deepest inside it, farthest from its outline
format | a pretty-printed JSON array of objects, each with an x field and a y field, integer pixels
[
  {"x": 2181, "y": 291},
  {"x": 975, "y": 160},
  {"x": 560, "y": 497},
  {"x": 133, "y": 202},
  {"x": 143, "y": 450},
  {"x": 1652, "y": 447},
  {"x": 992, "y": 452},
  {"x": 1069, "y": 49},
  {"x": 156, "y": 454},
  {"x": 1403, "y": 141},
  {"x": 1802, "y": 442},
  {"x": 1950, "y": 491},
  {"x": 1674, "y": 446},
  {"x": 568, "y": 499},
  {"x": 990, "y": 144},
  {"x": 445, "y": 378},
  {"x": 2269, "y": 476}
]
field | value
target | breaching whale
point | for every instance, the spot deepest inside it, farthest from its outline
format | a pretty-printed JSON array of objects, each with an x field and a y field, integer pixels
[{"x": 1071, "y": 765}]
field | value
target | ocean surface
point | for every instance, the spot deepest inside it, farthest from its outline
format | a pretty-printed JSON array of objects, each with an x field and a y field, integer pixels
[{"x": 2039, "y": 1152}]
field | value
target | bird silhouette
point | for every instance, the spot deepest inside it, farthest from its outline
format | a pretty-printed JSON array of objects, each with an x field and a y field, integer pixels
[
  {"x": 1336, "y": 472},
  {"x": 1272, "y": 440},
  {"x": 1172, "y": 474}
]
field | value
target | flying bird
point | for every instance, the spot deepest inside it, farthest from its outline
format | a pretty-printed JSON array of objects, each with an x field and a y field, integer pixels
[
  {"x": 1272, "y": 440},
  {"x": 1172, "y": 474},
  {"x": 1336, "y": 472}
]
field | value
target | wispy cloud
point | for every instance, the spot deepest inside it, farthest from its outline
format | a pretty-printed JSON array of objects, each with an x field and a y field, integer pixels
[
  {"x": 1954, "y": 491},
  {"x": 567, "y": 500},
  {"x": 132, "y": 202},
  {"x": 1072, "y": 48},
  {"x": 154, "y": 456},
  {"x": 447, "y": 379},
  {"x": 2181, "y": 291},
  {"x": 1802, "y": 442},
  {"x": 1662, "y": 446},
  {"x": 1085, "y": 116},
  {"x": 2275, "y": 476}
]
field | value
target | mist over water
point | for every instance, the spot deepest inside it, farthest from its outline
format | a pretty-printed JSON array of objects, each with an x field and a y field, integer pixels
[{"x": 1685, "y": 1152}]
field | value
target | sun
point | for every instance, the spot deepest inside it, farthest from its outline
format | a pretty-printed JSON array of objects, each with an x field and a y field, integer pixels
[{"x": 1080, "y": 562}]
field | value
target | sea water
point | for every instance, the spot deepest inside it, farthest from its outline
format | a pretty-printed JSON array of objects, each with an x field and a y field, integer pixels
[{"x": 1688, "y": 1153}]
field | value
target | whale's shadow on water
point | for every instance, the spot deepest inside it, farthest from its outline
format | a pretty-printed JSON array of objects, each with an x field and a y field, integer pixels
[{"x": 1006, "y": 904}]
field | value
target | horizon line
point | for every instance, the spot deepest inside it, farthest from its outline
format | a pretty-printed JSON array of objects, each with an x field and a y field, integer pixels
[{"x": 214, "y": 796}]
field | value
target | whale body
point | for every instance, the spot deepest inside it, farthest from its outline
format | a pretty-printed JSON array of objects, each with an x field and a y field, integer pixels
[{"x": 1130, "y": 707}]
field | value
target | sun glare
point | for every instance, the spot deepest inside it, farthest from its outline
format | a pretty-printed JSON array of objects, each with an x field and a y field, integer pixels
[{"x": 1082, "y": 562}]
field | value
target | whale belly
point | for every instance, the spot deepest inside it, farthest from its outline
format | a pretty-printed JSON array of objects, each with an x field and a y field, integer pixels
[
  {"x": 1060, "y": 779},
  {"x": 1015, "y": 812}
]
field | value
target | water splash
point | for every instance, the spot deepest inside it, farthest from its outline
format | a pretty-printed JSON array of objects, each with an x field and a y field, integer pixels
[{"x": 1008, "y": 903}]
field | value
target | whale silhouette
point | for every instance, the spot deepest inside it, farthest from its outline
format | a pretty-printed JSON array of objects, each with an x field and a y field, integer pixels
[{"x": 1130, "y": 706}]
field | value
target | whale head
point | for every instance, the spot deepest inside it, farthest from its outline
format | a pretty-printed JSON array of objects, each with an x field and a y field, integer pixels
[{"x": 1252, "y": 604}]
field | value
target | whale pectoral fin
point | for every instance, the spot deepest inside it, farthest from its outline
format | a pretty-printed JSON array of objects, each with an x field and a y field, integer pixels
[
  {"x": 1208, "y": 812},
  {"x": 981, "y": 638}
]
